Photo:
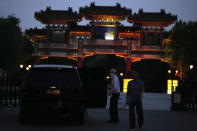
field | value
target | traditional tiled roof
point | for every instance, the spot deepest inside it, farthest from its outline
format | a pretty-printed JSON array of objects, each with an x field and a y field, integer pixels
[
  {"x": 152, "y": 17},
  {"x": 127, "y": 29},
  {"x": 57, "y": 16},
  {"x": 36, "y": 32},
  {"x": 105, "y": 10}
]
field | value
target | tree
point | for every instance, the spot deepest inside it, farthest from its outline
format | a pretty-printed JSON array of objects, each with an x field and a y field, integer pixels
[
  {"x": 14, "y": 48},
  {"x": 182, "y": 46}
]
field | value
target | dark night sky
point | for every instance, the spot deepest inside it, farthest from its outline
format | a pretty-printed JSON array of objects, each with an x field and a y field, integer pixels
[{"x": 25, "y": 9}]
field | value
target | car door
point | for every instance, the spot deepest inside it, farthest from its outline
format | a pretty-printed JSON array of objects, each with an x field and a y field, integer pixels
[{"x": 94, "y": 83}]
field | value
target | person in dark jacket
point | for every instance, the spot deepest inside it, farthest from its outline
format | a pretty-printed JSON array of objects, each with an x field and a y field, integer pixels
[{"x": 135, "y": 91}]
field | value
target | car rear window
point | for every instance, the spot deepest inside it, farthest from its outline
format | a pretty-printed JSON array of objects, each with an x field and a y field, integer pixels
[{"x": 52, "y": 77}]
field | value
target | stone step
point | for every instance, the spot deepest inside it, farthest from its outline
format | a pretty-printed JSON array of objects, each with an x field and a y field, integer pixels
[{"x": 151, "y": 101}]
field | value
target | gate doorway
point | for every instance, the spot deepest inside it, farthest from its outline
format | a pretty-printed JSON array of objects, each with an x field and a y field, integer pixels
[
  {"x": 154, "y": 73},
  {"x": 105, "y": 61}
]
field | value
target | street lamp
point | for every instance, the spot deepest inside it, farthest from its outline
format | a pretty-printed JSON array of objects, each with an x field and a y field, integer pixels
[
  {"x": 191, "y": 75},
  {"x": 21, "y": 66},
  {"x": 121, "y": 74},
  {"x": 191, "y": 67}
]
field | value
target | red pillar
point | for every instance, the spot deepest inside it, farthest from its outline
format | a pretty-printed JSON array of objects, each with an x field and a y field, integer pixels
[
  {"x": 79, "y": 62},
  {"x": 128, "y": 66},
  {"x": 37, "y": 60}
]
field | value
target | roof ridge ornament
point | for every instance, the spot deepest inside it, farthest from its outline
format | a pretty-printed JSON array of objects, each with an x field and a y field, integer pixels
[
  {"x": 118, "y": 5},
  {"x": 70, "y": 9},
  {"x": 48, "y": 8},
  {"x": 92, "y": 4},
  {"x": 140, "y": 11},
  {"x": 163, "y": 11}
]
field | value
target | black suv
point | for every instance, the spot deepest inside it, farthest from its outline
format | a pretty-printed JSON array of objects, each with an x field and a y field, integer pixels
[{"x": 52, "y": 89}]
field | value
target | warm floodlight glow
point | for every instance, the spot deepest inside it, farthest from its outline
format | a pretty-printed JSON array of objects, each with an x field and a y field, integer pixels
[
  {"x": 169, "y": 71},
  {"x": 27, "y": 68},
  {"x": 169, "y": 90},
  {"x": 171, "y": 87},
  {"x": 109, "y": 25},
  {"x": 52, "y": 87},
  {"x": 125, "y": 84},
  {"x": 191, "y": 67},
  {"x": 175, "y": 83}
]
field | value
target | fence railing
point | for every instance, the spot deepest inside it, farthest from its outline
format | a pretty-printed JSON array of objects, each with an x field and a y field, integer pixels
[
  {"x": 9, "y": 95},
  {"x": 187, "y": 99}
]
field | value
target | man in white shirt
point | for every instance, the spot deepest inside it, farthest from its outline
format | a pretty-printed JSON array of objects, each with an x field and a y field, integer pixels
[{"x": 115, "y": 93}]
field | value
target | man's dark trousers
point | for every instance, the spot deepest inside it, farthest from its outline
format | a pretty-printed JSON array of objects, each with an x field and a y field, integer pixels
[
  {"x": 114, "y": 107},
  {"x": 132, "y": 118}
]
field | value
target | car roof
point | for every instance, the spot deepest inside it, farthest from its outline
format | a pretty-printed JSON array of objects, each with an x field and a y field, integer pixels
[{"x": 54, "y": 66}]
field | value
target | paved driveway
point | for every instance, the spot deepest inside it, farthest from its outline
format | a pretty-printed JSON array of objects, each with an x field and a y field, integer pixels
[{"x": 154, "y": 121}]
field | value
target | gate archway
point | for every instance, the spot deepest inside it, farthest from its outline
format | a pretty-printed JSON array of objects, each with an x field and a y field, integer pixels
[
  {"x": 105, "y": 61},
  {"x": 154, "y": 73}
]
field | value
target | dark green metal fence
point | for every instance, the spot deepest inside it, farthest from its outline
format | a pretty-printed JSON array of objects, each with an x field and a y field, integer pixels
[
  {"x": 9, "y": 95},
  {"x": 188, "y": 98}
]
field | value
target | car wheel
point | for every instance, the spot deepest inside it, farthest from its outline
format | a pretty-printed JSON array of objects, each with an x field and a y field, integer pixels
[
  {"x": 81, "y": 118},
  {"x": 23, "y": 117},
  {"x": 78, "y": 117}
]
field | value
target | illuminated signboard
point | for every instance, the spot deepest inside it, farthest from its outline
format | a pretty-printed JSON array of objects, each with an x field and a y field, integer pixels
[
  {"x": 125, "y": 83},
  {"x": 109, "y": 36},
  {"x": 104, "y": 32}
]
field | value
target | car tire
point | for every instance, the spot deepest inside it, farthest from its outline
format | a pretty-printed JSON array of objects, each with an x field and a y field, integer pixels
[
  {"x": 78, "y": 117},
  {"x": 23, "y": 117},
  {"x": 81, "y": 118}
]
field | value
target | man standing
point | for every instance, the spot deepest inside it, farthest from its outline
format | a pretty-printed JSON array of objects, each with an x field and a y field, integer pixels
[
  {"x": 115, "y": 93},
  {"x": 135, "y": 90}
]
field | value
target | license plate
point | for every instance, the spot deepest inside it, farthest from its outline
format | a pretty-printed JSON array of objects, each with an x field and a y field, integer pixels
[{"x": 53, "y": 92}]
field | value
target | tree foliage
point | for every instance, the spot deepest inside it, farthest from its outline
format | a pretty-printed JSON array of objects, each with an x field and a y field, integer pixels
[
  {"x": 182, "y": 47},
  {"x": 14, "y": 47}
]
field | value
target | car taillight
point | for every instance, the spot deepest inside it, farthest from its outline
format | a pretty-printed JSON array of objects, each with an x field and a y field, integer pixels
[{"x": 80, "y": 90}]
